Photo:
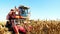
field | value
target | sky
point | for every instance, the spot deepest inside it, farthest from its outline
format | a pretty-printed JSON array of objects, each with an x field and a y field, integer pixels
[{"x": 40, "y": 9}]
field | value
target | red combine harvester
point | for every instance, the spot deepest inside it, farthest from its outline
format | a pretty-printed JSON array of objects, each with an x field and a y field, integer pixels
[{"x": 15, "y": 17}]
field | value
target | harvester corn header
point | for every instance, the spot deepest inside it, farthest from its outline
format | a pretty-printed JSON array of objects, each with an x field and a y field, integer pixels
[{"x": 15, "y": 17}]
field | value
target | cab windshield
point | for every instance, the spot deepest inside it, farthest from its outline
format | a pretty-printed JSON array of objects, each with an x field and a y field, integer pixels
[{"x": 24, "y": 12}]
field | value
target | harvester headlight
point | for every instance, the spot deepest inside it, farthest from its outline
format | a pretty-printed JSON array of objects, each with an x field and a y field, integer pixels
[
  {"x": 16, "y": 12},
  {"x": 25, "y": 22}
]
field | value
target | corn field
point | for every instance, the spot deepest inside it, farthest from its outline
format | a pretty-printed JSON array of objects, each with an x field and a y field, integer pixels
[{"x": 38, "y": 27}]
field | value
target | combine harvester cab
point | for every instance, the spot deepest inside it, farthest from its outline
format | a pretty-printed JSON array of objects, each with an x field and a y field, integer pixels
[{"x": 15, "y": 17}]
